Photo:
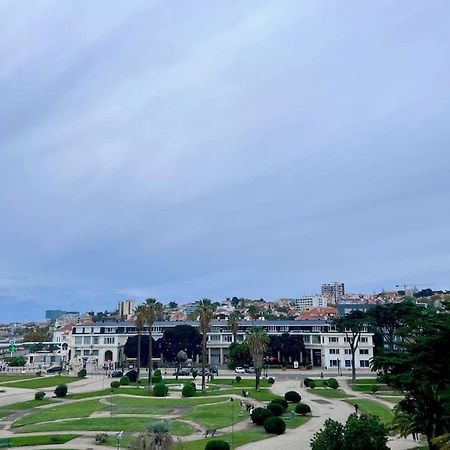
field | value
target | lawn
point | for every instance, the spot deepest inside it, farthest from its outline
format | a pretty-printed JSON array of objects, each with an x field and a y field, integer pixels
[
  {"x": 106, "y": 424},
  {"x": 394, "y": 400},
  {"x": 6, "y": 410},
  {"x": 366, "y": 381},
  {"x": 367, "y": 406},
  {"x": 8, "y": 378},
  {"x": 65, "y": 411},
  {"x": 329, "y": 393},
  {"x": 41, "y": 440},
  {"x": 41, "y": 382},
  {"x": 211, "y": 416},
  {"x": 162, "y": 402},
  {"x": 244, "y": 383}
]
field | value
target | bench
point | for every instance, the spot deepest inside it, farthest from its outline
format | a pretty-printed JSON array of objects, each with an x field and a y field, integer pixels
[
  {"x": 211, "y": 432},
  {"x": 5, "y": 442}
]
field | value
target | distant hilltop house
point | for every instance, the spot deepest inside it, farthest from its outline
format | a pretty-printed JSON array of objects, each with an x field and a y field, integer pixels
[{"x": 326, "y": 313}]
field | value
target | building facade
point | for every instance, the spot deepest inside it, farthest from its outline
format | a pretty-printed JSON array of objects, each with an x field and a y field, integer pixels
[
  {"x": 307, "y": 302},
  {"x": 333, "y": 291}
]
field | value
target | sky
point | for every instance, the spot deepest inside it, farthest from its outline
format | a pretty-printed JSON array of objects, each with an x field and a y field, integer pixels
[{"x": 183, "y": 150}]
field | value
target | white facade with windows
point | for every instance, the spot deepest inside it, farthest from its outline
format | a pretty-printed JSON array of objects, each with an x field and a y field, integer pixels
[{"x": 308, "y": 302}]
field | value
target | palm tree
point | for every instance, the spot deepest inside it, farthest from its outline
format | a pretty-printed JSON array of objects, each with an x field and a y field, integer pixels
[
  {"x": 152, "y": 310},
  {"x": 253, "y": 312},
  {"x": 156, "y": 437},
  {"x": 139, "y": 322},
  {"x": 205, "y": 311},
  {"x": 233, "y": 325},
  {"x": 257, "y": 340}
]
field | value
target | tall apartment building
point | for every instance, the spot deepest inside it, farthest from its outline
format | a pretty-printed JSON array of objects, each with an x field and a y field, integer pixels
[
  {"x": 126, "y": 309},
  {"x": 333, "y": 291},
  {"x": 307, "y": 302}
]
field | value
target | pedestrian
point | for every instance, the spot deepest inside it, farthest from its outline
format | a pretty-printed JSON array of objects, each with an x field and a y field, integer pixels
[
  {"x": 356, "y": 408},
  {"x": 321, "y": 375}
]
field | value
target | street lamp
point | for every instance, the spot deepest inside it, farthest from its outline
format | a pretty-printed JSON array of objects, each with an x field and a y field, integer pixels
[
  {"x": 232, "y": 420},
  {"x": 118, "y": 439}
]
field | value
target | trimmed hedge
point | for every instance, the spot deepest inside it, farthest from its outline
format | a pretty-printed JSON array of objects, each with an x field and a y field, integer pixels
[
  {"x": 312, "y": 384},
  {"x": 333, "y": 383},
  {"x": 115, "y": 384},
  {"x": 82, "y": 373},
  {"x": 306, "y": 381},
  {"x": 124, "y": 381},
  {"x": 275, "y": 408},
  {"x": 270, "y": 380},
  {"x": 275, "y": 425},
  {"x": 302, "y": 409},
  {"x": 156, "y": 378},
  {"x": 238, "y": 379},
  {"x": 61, "y": 390},
  {"x": 259, "y": 415},
  {"x": 282, "y": 402},
  {"x": 217, "y": 445},
  {"x": 293, "y": 396},
  {"x": 188, "y": 390},
  {"x": 132, "y": 375},
  {"x": 160, "y": 390},
  {"x": 39, "y": 395}
]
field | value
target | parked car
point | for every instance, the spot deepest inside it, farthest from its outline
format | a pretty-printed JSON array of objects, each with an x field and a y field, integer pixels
[
  {"x": 239, "y": 370},
  {"x": 182, "y": 373},
  {"x": 249, "y": 370},
  {"x": 54, "y": 369},
  {"x": 116, "y": 374}
]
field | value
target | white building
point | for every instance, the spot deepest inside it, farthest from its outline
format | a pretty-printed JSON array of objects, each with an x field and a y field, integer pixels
[{"x": 307, "y": 302}]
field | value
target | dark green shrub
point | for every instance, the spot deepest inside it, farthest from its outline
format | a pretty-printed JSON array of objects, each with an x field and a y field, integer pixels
[
  {"x": 157, "y": 373},
  {"x": 292, "y": 396},
  {"x": 302, "y": 409},
  {"x": 259, "y": 415},
  {"x": 275, "y": 425},
  {"x": 39, "y": 395},
  {"x": 188, "y": 390},
  {"x": 308, "y": 367},
  {"x": 115, "y": 384},
  {"x": 82, "y": 373},
  {"x": 324, "y": 383},
  {"x": 217, "y": 445},
  {"x": 124, "y": 381},
  {"x": 333, "y": 383},
  {"x": 39, "y": 373},
  {"x": 270, "y": 380},
  {"x": 194, "y": 373},
  {"x": 132, "y": 375},
  {"x": 282, "y": 402},
  {"x": 374, "y": 388},
  {"x": 312, "y": 384},
  {"x": 160, "y": 390},
  {"x": 275, "y": 408},
  {"x": 101, "y": 438},
  {"x": 238, "y": 379},
  {"x": 157, "y": 378},
  {"x": 55, "y": 438},
  {"x": 61, "y": 390},
  {"x": 306, "y": 381}
]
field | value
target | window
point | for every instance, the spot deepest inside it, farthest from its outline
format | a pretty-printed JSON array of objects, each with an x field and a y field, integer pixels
[
  {"x": 109, "y": 340},
  {"x": 86, "y": 340},
  {"x": 364, "y": 363},
  {"x": 348, "y": 363},
  {"x": 94, "y": 352},
  {"x": 333, "y": 339},
  {"x": 334, "y": 351},
  {"x": 95, "y": 340},
  {"x": 78, "y": 352},
  {"x": 214, "y": 337},
  {"x": 364, "y": 339},
  {"x": 86, "y": 352},
  {"x": 110, "y": 330},
  {"x": 78, "y": 340},
  {"x": 227, "y": 338},
  {"x": 348, "y": 351},
  {"x": 333, "y": 363},
  {"x": 363, "y": 351}
]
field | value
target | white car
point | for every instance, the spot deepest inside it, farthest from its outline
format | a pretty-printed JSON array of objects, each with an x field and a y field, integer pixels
[{"x": 239, "y": 370}]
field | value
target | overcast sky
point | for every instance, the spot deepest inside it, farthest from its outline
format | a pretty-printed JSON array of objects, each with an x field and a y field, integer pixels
[{"x": 185, "y": 149}]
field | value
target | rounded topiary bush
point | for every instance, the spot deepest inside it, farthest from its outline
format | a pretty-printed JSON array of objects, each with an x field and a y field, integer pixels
[
  {"x": 238, "y": 379},
  {"x": 306, "y": 381},
  {"x": 160, "y": 390},
  {"x": 82, "y": 373},
  {"x": 157, "y": 378},
  {"x": 217, "y": 445},
  {"x": 333, "y": 383},
  {"x": 270, "y": 380},
  {"x": 259, "y": 415},
  {"x": 124, "y": 381},
  {"x": 302, "y": 409},
  {"x": 275, "y": 408},
  {"x": 115, "y": 384},
  {"x": 312, "y": 384},
  {"x": 188, "y": 390},
  {"x": 39, "y": 395},
  {"x": 281, "y": 401},
  {"x": 293, "y": 396},
  {"x": 157, "y": 372},
  {"x": 61, "y": 390},
  {"x": 132, "y": 375},
  {"x": 275, "y": 425}
]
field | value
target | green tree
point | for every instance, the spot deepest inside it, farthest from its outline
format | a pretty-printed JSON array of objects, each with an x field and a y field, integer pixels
[
  {"x": 173, "y": 305},
  {"x": 205, "y": 311},
  {"x": 257, "y": 341},
  {"x": 152, "y": 310},
  {"x": 330, "y": 437},
  {"x": 139, "y": 323},
  {"x": 254, "y": 311},
  {"x": 352, "y": 325},
  {"x": 233, "y": 325},
  {"x": 180, "y": 337},
  {"x": 156, "y": 437},
  {"x": 239, "y": 355}
]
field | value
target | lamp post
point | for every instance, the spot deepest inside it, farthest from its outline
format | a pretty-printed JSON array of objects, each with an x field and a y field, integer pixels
[
  {"x": 118, "y": 439},
  {"x": 232, "y": 420}
]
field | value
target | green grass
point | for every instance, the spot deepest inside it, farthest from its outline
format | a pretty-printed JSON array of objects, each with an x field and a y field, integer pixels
[
  {"x": 366, "y": 381},
  {"x": 106, "y": 424},
  {"x": 244, "y": 383},
  {"x": 81, "y": 395},
  {"x": 41, "y": 440},
  {"x": 329, "y": 393},
  {"x": 8, "y": 378},
  {"x": 39, "y": 383},
  {"x": 211, "y": 416},
  {"x": 66, "y": 411},
  {"x": 162, "y": 402},
  {"x": 6, "y": 410},
  {"x": 393, "y": 400},
  {"x": 367, "y": 406}
]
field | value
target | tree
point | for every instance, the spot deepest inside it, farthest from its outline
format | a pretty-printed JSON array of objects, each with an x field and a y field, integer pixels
[
  {"x": 352, "y": 325},
  {"x": 257, "y": 341},
  {"x": 173, "y": 305},
  {"x": 156, "y": 437},
  {"x": 205, "y": 312},
  {"x": 254, "y": 312},
  {"x": 152, "y": 310},
  {"x": 139, "y": 323},
  {"x": 286, "y": 347},
  {"x": 359, "y": 433},
  {"x": 239, "y": 355},
  {"x": 235, "y": 302},
  {"x": 180, "y": 337},
  {"x": 233, "y": 325},
  {"x": 38, "y": 335}
]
